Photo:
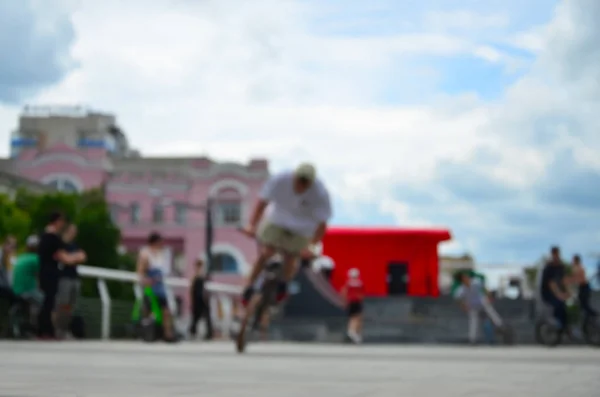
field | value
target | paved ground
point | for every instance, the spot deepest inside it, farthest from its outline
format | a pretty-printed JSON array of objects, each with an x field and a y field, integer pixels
[{"x": 129, "y": 369}]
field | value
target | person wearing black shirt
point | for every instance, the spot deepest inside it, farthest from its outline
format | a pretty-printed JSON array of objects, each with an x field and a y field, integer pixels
[
  {"x": 200, "y": 303},
  {"x": 52, "y": 251},
  {"x": 68, "y": 285},
  {"x": 554, "y": 291}
]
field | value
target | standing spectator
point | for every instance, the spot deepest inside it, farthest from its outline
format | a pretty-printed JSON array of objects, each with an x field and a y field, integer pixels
[
  {"x": 26, "y": 278},
  {"x": 200, "y": 302},
  {"x": 554, "y": 290},
  {"x": 353, "y": 292},
  {"x": 68, "y": 284},
  {"x": 51, "y": 251}
]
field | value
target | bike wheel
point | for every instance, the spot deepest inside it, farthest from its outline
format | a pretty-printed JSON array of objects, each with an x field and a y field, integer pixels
[
  {"x": 149, "y": 331},
  {"x": 268, "y": 300},
  {"x": 548, "y": 334},
  {"x": 591, "y": 331}
]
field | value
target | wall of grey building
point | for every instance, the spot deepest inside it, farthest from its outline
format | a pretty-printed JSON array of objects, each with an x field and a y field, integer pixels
[
  {"x": 399, "y": 320},
  {"x": 410, "y": 320}
]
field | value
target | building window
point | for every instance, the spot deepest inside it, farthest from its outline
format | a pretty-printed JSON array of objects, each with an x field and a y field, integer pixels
[
  {"x": 224, "y": 263},
  {"x": 180, "y": 213},
  {"x": 158, "y": 213},
  {"x": 63, "y": 185},
  {"x": 114, "y": 213},
  {"x": 230, "y": 213},
  {"x": 134, "y": 213}
]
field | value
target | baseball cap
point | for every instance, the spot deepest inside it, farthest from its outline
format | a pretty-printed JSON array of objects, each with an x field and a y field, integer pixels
[
  {"x": 306, "y": 171},
  {"x": 32, "y": 241}
]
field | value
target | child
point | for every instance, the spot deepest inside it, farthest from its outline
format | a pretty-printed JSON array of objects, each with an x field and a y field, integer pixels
[
  {"x": 353, "y": 293},
  {"x": 474, "y": 301}
]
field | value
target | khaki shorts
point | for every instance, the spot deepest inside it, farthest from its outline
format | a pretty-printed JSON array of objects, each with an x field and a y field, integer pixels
[{"x": 282, "y": 239}]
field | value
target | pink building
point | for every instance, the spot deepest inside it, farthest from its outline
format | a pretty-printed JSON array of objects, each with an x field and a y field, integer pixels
[{"x": 73, "y": 149}]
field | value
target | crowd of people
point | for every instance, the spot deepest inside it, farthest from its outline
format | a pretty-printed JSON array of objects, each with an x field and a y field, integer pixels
[
  {"x": 44, "y": 277},
  {"x": 289, "y": 220},
  {"x": 559, "y": 282}
]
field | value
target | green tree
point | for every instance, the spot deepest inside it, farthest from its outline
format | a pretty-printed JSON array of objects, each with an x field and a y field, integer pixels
[
  {"x": 13, "y": 221},
  {"x": 39, "y": 207},
  {"x": 98, "y": 236}
]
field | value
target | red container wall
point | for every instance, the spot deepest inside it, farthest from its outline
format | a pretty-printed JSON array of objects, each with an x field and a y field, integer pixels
[{"x": 371, "y": 253}]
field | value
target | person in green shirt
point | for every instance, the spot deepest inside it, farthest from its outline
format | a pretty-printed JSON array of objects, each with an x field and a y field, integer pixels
[{"x": 25, "y": 282}]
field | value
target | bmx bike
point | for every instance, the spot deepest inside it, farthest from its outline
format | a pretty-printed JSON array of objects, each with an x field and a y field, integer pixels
[
  {"x": 548, "y": 331},
  {"x": 262, "y": 302},
  {"x": 147, "y": 317},
  {"x": 265, "y": 300}
]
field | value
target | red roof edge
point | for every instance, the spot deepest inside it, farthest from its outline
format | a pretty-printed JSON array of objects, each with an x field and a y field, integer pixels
[{"x": 439, "y": 234}]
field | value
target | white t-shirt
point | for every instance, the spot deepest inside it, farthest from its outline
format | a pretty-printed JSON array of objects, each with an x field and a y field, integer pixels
[
  {"x": 160, "y": 260},
  {"x": 300, "y": 213}
]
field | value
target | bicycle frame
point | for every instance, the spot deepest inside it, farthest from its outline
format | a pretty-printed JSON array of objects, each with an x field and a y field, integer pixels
[
  {"x": 268, "y": 294},
  {"x": 155, "y": 310}
]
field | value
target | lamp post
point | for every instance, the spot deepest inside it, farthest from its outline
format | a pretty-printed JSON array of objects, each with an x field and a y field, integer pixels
[{"x": 209, "y": 237}]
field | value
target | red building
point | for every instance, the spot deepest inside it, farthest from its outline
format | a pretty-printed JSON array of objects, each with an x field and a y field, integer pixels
[{"x": 391, "y": 261}]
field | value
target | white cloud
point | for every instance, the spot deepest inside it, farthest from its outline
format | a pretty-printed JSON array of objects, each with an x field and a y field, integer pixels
[
  {"x": 465, "y": 20},
  {"x": 236, "y": 80}
]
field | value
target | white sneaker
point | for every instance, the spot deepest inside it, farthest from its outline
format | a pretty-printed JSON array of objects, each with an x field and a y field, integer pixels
[{"x": 354, "y": 337}]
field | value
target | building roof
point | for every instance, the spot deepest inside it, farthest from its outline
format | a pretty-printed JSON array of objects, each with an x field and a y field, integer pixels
[
  {"x": 438, "y": 234},
  {"x": 5, "y": 164},
  {"x": 189, "y": 166},
  {"x": 16, "y": 181}
]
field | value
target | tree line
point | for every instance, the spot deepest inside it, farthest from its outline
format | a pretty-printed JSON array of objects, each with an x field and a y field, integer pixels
[{"x": 27, "y": 213}]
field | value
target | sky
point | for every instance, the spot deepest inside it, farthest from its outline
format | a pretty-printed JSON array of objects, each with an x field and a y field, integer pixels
[{"x": 479, "y": 116}]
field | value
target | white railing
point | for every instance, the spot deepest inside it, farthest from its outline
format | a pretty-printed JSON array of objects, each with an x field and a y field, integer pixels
[{"x": 222, "y": 294}]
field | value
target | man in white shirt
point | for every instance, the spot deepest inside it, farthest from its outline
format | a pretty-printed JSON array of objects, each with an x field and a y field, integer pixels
[{"x": 298, "y": 209}]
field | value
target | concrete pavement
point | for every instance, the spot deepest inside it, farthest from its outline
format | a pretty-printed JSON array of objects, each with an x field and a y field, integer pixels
[{"x": 115, "y": 369}]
